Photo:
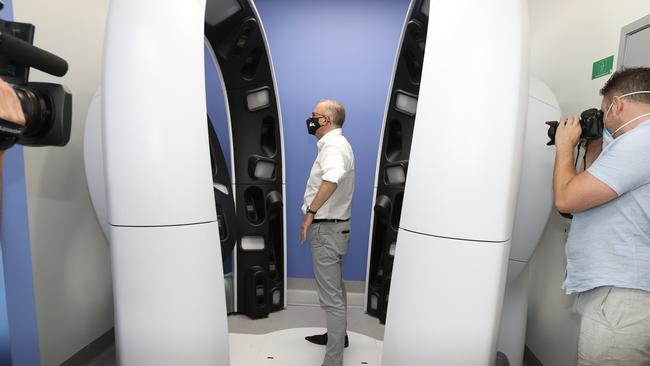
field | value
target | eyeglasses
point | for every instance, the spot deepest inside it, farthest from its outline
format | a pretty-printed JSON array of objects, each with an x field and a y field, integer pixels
[{"x": 318, "y": 115}]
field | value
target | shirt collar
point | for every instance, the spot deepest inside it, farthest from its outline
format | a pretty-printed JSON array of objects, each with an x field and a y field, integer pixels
[{"x": 328, "y": 136}]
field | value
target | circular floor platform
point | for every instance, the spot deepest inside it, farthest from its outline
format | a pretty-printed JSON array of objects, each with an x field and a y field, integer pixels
[{"x": 288, "y": 347}]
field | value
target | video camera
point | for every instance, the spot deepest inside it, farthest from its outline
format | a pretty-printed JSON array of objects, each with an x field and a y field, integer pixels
[
  {"x": 47, "y": 107},
  {"x": 591, "y": 122}
]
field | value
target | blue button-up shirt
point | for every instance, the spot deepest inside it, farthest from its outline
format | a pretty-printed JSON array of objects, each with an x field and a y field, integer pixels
[{"x": 609, "y": 245}]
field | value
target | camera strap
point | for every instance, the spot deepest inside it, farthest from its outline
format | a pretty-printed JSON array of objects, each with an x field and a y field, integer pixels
[
  {"x": 10, "y": 128},
  {"x": 9, "y": 132}
]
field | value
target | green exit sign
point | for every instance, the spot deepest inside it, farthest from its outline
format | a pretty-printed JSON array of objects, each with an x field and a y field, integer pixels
[{"x": 602, "y": 67}]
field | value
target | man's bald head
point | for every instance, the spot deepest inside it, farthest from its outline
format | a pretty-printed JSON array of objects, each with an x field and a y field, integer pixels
[{"x": 334, "y": 110}]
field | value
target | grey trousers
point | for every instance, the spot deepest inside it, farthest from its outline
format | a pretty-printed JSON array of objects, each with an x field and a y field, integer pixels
[
  {"x": 329, "y": 243},
  {"x": 614, "y": 327}
]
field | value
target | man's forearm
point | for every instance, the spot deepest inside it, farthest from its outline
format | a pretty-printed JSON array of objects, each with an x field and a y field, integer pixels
[
  {"x": 562, "y": 174},
  {"x": 325, "y": 191}
]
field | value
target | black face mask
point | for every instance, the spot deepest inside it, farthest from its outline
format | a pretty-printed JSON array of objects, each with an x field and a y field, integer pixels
[{"x": 312, "y": 125}]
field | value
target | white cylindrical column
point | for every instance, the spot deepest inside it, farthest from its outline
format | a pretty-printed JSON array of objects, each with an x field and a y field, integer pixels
[
  {"x": 155, "y": 130},
  {"x": 512, "y": 330},
  {"x": 167, "y": 274},
  {"x": 444, "y": 301},
  {"x": 534, "y": 205},
  {"x": 169, "y": 296},
  {"x": 459, "y": 202}
]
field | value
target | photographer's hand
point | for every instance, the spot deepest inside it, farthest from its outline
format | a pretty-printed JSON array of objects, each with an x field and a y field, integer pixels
[
  {"x": 568, "y": 133},
  {"x": 10, "y": 108},
  {"x": 574, "y": 192}
]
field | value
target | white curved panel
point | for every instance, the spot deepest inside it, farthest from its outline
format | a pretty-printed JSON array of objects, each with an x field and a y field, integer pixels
[
  {"x": 466, "y": 152},
  {"x": 94, "y": 162},
  {"x": 540, "y": 91},
  {"x": 167, "y": 274},
  {"x": 535, "y": 199},
  {"x": 450, "y": 265},
  {"x": 445, "y": 301},
  {"x": 155, "y": 131},
  {"x": 512, "y": 332},
  {"x": 534, "y": 205},
  {"x": 169, "y": 295}
]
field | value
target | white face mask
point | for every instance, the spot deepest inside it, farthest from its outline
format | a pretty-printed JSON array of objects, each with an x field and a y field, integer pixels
[{"x": 609, "y": 136}]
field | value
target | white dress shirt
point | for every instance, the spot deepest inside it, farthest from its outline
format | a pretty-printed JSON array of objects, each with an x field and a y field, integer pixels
[{"x": 334, "y": 163}]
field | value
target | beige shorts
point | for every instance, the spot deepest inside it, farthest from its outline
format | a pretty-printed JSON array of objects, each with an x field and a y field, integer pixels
[{"x": 614, "y": 327}]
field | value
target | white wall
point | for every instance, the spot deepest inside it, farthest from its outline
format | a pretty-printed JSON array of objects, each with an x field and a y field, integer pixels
[
  {"x": 566, "y": 38},
  {"x": 552, "y": 332},
  {"x": 71, "y": 259}
]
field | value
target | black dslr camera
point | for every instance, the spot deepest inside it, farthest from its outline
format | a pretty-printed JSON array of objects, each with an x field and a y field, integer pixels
[
  {"x": 591, "y": 122},
  {"x": 47, "y": 107}
]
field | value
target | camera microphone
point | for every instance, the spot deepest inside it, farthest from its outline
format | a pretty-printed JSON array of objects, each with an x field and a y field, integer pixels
[{"x": 24, "y": 53}]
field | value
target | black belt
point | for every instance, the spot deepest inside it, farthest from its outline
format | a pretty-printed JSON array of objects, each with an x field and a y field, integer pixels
[{"x": 317, "y": 221}]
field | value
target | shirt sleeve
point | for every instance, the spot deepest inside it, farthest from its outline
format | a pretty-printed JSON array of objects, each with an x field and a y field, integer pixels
[
  {"x": 624, "y": 165},
  {"x": 333, "y": 164}
]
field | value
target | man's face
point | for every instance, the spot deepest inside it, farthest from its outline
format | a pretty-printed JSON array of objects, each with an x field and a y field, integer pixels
[{"x": 319, "y": 112}]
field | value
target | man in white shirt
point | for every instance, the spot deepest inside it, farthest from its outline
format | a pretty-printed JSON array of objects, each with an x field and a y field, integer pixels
[{"x": 327, "y": 209}]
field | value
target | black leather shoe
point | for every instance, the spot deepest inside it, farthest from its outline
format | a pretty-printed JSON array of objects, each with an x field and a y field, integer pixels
[{"x": 321, "y": 339}]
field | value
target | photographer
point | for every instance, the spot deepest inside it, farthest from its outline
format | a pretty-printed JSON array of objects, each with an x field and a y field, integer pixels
[
  {"x": 10, "y": 110},
  {"x": 608, "y": 248}
]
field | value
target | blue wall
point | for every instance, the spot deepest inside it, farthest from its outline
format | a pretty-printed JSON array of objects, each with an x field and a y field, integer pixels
[
  {"x": 5, "y": 346},
  {"x": 17, "y": 260},
  {"x": 340, "y": 49},
  {"x": 18, "y": 329}
]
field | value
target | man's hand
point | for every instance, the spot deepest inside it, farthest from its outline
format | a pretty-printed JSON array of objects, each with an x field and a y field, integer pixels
[
  {"x": 568, "y": 133},
  {"x": 10, "y": 108},
  {"x": 325, "y": 191},
  {"x": 305, "y": 226}
]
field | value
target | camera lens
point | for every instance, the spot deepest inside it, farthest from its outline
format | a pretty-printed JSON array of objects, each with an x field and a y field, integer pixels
[
  {"x": 37, "y": 109},
  {"x": 552, "y": 128}
]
